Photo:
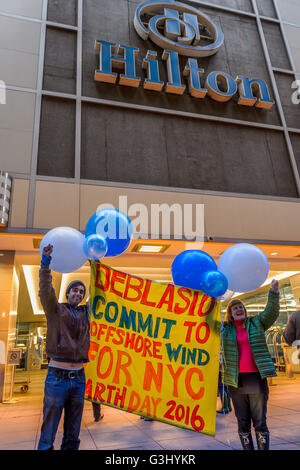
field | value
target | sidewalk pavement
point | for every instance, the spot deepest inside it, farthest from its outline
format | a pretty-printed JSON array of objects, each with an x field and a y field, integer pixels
[{"x": 20, "y": 424}]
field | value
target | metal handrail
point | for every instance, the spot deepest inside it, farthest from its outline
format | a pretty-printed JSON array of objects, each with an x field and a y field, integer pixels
[{"x": 272, "y": 340}]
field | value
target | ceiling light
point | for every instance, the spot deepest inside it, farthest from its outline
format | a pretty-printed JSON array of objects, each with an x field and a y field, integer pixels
[
  {"x": 36, "y": 243},
  {"x": 149, "y": 248},
  {"x": 274, "y": 254},
  {"x": 31, "y": 277},
  {"x": 15, "y": 294},
  {"x": 278, "y": 277}
]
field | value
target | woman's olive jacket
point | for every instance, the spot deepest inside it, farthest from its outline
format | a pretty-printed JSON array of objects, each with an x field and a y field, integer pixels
[{"x": 256, "y": 327}]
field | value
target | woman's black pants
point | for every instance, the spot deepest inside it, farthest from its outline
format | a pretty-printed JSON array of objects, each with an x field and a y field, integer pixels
[{"x": 250, "y": 407}]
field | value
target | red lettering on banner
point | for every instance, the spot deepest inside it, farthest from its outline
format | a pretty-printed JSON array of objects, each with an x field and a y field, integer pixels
[
  {"x": 120, "y": 334},
  {"x": 175, "y": 376},
  {"x": 93, "y": 328},
  {"x": 135, "y": 329},
  {"x": 206, "y": 333},
  {"x": 177, "y": 309},
  {"x": 123, "y": 367},
  {"x": 144, "y": 300},
  {"x": 100, "y": 388},
  {"x": 109, "y": 333},
  {"x": 110, "y": 388},
  {"x": 93, "y": 347},
  {"x": 102, "y": 327},
  {"x": 188, "y": 380},
  {"x": 155, "y": 403},
  {"x": 134, "y": 401},
  {"x": 117, "y": 336},
  {"x": 103, "y": 351},
  {"x": 147, "y": 346},
  {"x": 151, "y": 374},
  {"x": 190, "y": 325},
  {"x": 178, "y": 412},
  {"x": 89, "y": 389},
  {"x": 193, "y": 303},
  {"x": 138, "y": 346},
  {"x": 117, "y": 276},
  {"x": 120, "y": 397},
  {"x": 156, "y": 350},
  {"x": 129, "y": 340},
  {"x": 211, "y": 307},
  {"x": 167, "y": 298},
  {"x": 100, "y": 269},
  {"x": 146, "y": 405},
  {"x": 136, "y": 288}
]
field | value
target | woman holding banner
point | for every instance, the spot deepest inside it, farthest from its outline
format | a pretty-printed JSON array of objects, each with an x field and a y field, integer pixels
[{"x": 247, "y": 364}]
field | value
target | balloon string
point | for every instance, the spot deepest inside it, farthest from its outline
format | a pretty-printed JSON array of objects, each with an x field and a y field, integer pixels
[{"x": 223, "y": 364}]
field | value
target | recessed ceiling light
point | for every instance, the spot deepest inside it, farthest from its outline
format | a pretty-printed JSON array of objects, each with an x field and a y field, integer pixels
[
  {"x": 149, "y": 248},
  {"x": 36, "y": 242}
]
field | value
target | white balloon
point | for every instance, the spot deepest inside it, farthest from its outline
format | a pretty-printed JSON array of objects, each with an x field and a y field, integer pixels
[
  {"x": 68, "y": 254},
  {"x": 245, "y": 266},
  {"x": 227, "y": 296}
]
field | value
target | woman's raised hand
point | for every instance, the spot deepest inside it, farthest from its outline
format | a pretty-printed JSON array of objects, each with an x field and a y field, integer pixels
[{"x": 275, "y": 285}]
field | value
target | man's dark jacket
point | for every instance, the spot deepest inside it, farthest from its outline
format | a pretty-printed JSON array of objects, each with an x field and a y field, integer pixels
[
  {"x": 68, "y": 328},
  {"x": 292, "y": 330}
]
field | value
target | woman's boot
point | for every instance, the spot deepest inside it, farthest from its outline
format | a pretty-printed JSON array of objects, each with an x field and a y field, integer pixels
[
  {"x": 246, "y": 440},
  {"x": 263, "y": 440}
]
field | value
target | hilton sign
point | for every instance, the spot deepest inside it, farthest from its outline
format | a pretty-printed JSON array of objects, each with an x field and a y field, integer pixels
[{"x": 178, "y": 29}]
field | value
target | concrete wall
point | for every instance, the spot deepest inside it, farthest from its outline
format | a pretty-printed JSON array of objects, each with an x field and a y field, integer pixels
[{"x": 225, "y": 217}]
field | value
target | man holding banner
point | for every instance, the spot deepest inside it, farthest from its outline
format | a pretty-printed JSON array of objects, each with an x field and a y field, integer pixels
[
  {"x": 67, "y": 345},
  {"x": 154, "y": 349}
]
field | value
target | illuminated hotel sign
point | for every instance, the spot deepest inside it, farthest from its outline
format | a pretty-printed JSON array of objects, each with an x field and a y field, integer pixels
[{"x": 178, "y": 29}]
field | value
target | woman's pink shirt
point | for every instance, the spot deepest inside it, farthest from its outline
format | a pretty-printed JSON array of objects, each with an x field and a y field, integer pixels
[{"x": 246, "y": 360}]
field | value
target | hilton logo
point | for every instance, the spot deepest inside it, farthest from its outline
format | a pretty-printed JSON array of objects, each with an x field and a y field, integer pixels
[
  {"x": 186, "y": 30},
  {"x": 178, "y": 29}
]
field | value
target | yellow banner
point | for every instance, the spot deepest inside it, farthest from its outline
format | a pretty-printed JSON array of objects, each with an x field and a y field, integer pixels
[{"x": 154, "y": 349}]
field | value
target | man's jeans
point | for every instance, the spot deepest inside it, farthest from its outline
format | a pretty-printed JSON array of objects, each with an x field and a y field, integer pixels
[{"x": 62, "y": 392}]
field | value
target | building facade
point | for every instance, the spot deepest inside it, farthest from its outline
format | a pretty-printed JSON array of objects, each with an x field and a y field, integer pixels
[{"x": 94, "y": 113}]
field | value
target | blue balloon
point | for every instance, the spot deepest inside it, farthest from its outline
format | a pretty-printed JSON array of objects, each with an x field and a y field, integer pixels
[
  {"x": 213, "y": 283},
  {"x": 95, "y": 247},
  {"x": 114, "y": 226},
  {"x": 188, "y": 267}
]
